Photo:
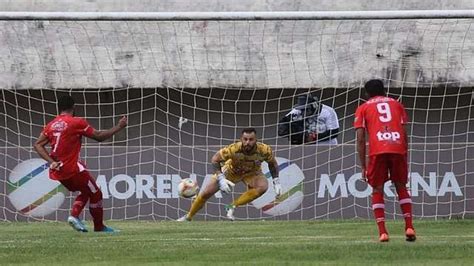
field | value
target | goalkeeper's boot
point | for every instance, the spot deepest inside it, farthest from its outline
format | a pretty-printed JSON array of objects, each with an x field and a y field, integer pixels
[
  {"x": 410, "y": 235},
  {"x": 383, "y": 237},
  {"x": 230, "y": 211},
  {"x": 76, "y": 224},
  {"x": 183, "y": 219},
  {"x": 108, "y": 229}
]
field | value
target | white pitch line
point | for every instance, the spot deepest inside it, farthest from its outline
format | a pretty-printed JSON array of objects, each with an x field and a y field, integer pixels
[
  {"x": 260, "y": 238},
  {"x": 424, "y": 237}
]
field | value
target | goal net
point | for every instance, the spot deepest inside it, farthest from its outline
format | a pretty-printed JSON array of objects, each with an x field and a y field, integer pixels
[{"x": 189, "y": 87}]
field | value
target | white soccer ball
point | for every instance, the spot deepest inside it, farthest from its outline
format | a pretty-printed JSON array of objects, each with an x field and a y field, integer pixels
[{"x": 187, "y": 188}]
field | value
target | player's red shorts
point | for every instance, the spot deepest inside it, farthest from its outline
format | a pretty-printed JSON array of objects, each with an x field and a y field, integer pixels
[
  {"x": 387, "y": 166},
  {"x": 83, "y": 182}
]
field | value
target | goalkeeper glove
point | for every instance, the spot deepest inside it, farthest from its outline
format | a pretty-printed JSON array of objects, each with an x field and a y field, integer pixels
[
  {"x": 277, "y": 186},
  {"x": 224, "y": 184}
]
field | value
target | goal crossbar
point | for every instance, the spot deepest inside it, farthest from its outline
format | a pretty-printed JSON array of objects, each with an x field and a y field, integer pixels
[{"x": 280, "y": 15}]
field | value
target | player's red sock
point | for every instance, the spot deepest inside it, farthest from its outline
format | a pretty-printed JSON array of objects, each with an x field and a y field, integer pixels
[
  {"x": 95, "y": 208},
  {"x": 405, "y": 204},
  {"x": 379, "y": 211},
  {"x": 97, "y": 215},
  {"x": 79, "y": 204}
]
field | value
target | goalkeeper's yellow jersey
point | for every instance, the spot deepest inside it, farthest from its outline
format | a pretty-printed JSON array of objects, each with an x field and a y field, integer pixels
[{"x": 241, "y": 164}]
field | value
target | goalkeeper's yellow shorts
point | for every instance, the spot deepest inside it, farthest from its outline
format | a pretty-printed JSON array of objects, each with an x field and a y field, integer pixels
[{"x": 247, "y": 177}]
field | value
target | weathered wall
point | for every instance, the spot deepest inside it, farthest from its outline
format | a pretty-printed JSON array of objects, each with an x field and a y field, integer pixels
[
  {"x": 228, "y": 5},
  {"x": 289, "y": 54},
  {"x": 259, "y": 54}
]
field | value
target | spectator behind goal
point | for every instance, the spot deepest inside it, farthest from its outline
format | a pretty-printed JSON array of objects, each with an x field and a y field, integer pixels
[{"x": 309, "y": 122}]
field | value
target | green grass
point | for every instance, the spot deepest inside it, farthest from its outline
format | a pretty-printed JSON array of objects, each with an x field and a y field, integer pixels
[{"x": 262, "y": 242}]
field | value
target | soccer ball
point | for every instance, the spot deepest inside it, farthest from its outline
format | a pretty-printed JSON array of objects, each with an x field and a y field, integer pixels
[{"x": 187, "y": 188}]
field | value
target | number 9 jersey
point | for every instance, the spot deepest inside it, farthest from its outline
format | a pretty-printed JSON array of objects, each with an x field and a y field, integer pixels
[
  {"x": 65, "y": 137},
  {"x": 384, "y": 119}
]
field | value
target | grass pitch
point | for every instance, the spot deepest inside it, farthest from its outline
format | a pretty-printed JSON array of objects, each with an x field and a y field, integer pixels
[{"x": 257, "y": 242}]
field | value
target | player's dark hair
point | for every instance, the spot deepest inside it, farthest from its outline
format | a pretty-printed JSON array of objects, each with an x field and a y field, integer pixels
[
  {"x": 375, "y": 87},
  {"x": 65, "y": 103},
  {"x": 249, "y": 130}
]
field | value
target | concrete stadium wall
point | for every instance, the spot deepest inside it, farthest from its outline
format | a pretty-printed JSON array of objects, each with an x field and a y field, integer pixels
[
  {"x": 272, "y": 54},
  {"x": 228, "y": 5}
]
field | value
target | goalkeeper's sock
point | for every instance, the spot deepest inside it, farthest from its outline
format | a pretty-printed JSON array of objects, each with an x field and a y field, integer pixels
[
  {"x": 196, "y": 206},
  {"x": 247, "y": 197},
  {"x": 79, "y": 204},
  {"x": 379, "y": 211},
  {"x": 405, "y": 205}
]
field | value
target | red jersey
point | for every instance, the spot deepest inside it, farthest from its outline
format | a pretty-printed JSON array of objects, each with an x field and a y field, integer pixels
[
  {"x": 383, "y": 118},
  {"x": 65, "y": 136}
]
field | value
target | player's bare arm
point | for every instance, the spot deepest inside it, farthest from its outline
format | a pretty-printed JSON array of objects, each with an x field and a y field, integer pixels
[
  {"x": 39, "y": 146},
  {"x": 224, "y": 184},
  {"x": 101, "y": 135},
  {"x": 275, "y": 172},
  {"x": 216, "y": 163},
  {"x": 273, "y": 167},
  {"x": 360, "y": 140}
]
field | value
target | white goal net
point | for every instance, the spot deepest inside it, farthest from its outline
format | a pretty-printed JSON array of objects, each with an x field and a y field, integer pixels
[{"x": 190, "y": 86}]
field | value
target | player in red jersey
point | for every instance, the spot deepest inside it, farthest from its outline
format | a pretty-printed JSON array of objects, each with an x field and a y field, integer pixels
[
  {"x": 383, "y": 118},
  {"x": 64, "y": 134}
]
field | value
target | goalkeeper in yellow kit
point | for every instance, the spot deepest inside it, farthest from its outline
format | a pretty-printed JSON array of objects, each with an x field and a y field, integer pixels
[{"x": 240, "y": 161}]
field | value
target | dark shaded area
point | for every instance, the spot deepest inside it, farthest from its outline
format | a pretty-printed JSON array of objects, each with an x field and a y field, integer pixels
[{"x": 215, "y": 116}]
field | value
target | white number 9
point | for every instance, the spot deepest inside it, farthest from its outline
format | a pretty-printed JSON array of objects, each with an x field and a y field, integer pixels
[{"x": 384, "y": 111}]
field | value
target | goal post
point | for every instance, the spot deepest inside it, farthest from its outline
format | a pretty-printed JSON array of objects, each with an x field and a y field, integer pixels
[{"x": 191, "y": 81}]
